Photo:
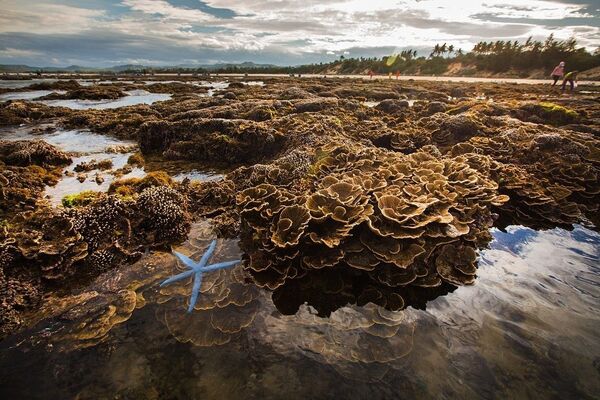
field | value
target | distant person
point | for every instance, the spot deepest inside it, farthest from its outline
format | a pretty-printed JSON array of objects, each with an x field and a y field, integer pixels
[
  {"x": 390, "y": 75},
  {"x": 370, "y": 74},
  {"x": 570, "y": 77},
  {"x": 558, "y": 72},
  {"x": 397, "y": 75}
]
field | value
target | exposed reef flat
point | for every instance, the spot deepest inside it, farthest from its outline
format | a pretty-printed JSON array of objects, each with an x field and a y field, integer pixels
[{"x": 334, "y": 202}]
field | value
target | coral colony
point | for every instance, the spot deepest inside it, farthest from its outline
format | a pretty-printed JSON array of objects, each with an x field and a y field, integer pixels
[{"x": 197, "y": 269}]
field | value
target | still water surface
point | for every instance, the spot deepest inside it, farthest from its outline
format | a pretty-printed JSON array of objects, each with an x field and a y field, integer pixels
[{"x": 528, "y": 328}]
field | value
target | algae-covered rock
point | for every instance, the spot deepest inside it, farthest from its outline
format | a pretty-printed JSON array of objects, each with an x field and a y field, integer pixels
[
  {"x": 31, "y": 152},
  {"x": 552, "y": 113}
]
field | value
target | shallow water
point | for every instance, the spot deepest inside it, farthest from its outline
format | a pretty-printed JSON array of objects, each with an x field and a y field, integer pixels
[
  {"x": 72, "y": 140},
  {"x": 134, "y": 97},
  {"x": 71, "y": 185},
  {"x": 18, "y": 84},
  {"x": 196, "y": 175},
  {"x": 376, "y": 103},
  {"x": 29, "y": 95},
  {"x": 527, "y": 328},
  {"x": 85, "y": 146}
]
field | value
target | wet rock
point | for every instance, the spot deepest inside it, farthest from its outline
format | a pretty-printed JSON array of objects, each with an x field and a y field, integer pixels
[
  {"x": 548, "y": 113},
  {"x": 87, "y": 166},
  {"x": 458, "y": 92},
  {"x": 392, "y": 106},
  {"x": 236, "y": 85},
  {"x": 456, "y": 129},
  {"x": 31, "y": 152},
  {"x": 96, "y": 92},
  {"x": 215, "y": 140},
  {"x": 315, "y": 105},
  {"x": 436, "y": 107}
]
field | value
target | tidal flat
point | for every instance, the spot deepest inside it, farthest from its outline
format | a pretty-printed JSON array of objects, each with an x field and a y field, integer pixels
[{"x": 399, "y": 239}]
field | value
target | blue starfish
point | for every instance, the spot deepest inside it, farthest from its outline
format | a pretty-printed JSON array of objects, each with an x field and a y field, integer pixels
[{"x": 197, "y": 269}]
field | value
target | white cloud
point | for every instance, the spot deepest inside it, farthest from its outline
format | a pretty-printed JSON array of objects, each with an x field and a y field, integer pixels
[
  {"x": 45, "y": 18},
  {"x": 165, "y": 9},
  {"x": 15, "y": 53},
  {"x": 298, "y": 27}
]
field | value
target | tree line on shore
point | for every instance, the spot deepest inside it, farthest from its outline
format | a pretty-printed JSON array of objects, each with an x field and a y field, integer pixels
[{"x": 495, "y": 57}]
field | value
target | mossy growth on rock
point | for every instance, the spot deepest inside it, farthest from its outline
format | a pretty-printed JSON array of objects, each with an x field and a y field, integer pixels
[
  {"x": 556, "y": 114},
  {"x": 80, "y": 199},
  {"x": 136, "y": 159},
  {"x": 130, "y": 186}
]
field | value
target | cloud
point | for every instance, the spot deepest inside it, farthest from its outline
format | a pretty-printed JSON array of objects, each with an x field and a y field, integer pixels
[
  {"x": 18, "y": 53},
  {"x": 286, "y": 31},
  {"x": 45, "y": 18}
]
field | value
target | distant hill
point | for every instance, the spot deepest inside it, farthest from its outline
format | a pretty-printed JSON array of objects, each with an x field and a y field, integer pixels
[{"x": 134, "y": 67}]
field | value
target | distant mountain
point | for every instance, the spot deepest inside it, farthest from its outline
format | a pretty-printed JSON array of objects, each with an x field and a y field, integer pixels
[
  {"x": 244, "y": 65},
  {"x": 132, "y": 67}
]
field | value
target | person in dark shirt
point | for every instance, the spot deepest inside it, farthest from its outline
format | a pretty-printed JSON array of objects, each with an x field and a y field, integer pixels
[{"x": 570, "y": 77}]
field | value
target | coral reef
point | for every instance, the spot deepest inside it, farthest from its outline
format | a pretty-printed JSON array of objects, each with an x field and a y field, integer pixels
[
  {"x": 339, "y": 206},
  {"x": 390, "y": 218}
]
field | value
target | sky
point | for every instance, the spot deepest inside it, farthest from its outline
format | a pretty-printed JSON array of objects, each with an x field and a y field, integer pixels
[{"x": 283, "y": 32}]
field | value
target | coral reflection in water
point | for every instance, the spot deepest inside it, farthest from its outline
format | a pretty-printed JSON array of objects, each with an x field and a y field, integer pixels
[{"x": 527, "y": 328}]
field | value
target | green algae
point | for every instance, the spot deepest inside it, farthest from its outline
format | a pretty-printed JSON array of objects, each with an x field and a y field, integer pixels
[{"x": 80, "y": 199}]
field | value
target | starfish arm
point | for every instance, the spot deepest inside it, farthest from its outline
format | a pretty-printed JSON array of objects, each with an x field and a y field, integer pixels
[
  {"x": 206, "y": 256},
  {"x": 186, "y": 260},
  {"x": 195, "y": 290},
  {"x": 176, "y": 278},
  {"x": 225, "y": 264}
]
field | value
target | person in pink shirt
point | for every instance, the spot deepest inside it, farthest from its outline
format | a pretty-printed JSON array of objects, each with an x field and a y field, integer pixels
[{"x": 558, "y": 72}]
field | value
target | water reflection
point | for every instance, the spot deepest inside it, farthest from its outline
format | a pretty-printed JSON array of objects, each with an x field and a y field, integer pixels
[
  {"x": 29, "y": 95},
  {"x": 22, "y": 83},
  {"x": 70, "y": 140},
  {"x": 527, "y": 328},
  {"x": 95, "y": 179},
  {"x": 133, "y": 97},
  {"x": 85, "y": 147}
]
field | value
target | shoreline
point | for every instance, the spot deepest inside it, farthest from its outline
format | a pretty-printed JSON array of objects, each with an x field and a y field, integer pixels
[{"x": 455, "y": 79}]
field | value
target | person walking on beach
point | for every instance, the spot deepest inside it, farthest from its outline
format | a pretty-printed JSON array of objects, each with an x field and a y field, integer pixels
[
  {"x": 570, "y": 77},
  {"x": 558, "y": 72},
  {"x": 370, "y": 74}
]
